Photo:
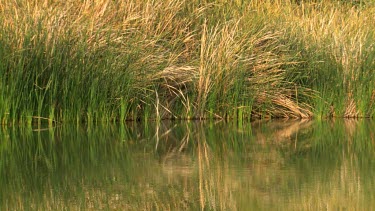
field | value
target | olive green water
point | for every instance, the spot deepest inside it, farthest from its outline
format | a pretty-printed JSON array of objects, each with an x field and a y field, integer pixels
[{"x": 289, "y": 165}]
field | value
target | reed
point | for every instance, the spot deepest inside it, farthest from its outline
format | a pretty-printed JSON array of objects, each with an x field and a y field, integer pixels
[
  {"x": 115, "y": 61},
  {"x": 337, "y": 45}
]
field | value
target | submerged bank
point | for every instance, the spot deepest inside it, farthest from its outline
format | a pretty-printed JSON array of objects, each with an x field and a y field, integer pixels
[{"x": 176, "y": 59}]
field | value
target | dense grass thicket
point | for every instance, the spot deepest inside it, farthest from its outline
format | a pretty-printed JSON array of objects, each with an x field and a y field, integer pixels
[{"x": 104, "y": 60}]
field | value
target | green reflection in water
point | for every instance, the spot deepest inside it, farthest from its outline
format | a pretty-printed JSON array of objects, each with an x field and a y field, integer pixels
[{"x": 190, "y": 165}]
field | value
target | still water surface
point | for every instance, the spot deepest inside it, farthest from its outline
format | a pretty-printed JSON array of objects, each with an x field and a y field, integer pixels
[{"x": 267, "y": 165}]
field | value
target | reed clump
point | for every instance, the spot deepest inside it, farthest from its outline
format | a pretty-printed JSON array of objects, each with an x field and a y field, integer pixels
[
  {"x": 336, "y": 41},
  {"x": 104, "y": 60}
]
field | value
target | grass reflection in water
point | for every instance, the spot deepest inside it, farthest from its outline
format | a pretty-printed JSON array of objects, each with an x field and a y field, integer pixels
[{"x": 189, "y": 165}]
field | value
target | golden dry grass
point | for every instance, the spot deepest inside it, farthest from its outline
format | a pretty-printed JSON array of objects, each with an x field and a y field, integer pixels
[{"x": 192, "y": 59}]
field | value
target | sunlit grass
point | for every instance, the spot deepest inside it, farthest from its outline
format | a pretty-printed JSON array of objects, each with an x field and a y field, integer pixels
[
  {"x": 106, "y": 61},
  {"x": 337, "y": 44}
]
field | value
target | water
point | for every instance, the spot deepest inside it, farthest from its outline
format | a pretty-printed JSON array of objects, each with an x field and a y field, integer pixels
[{"x": 266, "y": 165}]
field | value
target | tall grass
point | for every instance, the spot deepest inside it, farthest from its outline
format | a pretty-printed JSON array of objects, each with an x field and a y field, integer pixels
[
  {"x": 115, "y": 61},
  {"x": 337, "y": 45}
]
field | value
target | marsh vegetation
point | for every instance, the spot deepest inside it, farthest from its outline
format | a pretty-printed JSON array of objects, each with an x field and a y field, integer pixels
[{"x": 104, "y": 61}]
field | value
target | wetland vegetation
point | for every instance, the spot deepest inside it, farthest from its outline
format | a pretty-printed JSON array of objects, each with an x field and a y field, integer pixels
[
  {"x": 111, "y": 61},
  {"x": 89, "y": 64}
]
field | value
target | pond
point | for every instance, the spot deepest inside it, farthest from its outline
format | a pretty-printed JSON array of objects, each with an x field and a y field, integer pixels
[{"x": 190, "y": 165}]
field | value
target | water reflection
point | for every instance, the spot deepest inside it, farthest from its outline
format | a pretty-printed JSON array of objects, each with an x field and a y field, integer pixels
[{"x": 190, "y": 165}]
